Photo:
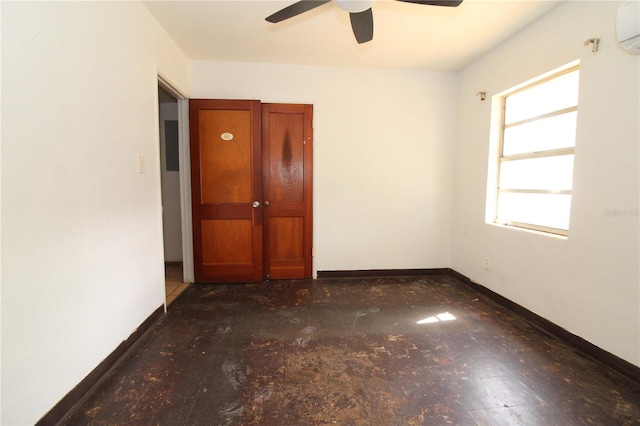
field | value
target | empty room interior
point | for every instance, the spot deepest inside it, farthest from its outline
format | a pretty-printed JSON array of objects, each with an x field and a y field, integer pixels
[{"x": 463, "y": 248}]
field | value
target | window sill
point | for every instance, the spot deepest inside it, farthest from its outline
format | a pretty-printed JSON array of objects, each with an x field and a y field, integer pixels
[{"x": 528, "y": 230}]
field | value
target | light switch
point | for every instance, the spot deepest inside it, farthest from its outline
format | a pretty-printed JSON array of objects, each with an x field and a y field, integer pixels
[{"x": 140, "y": 163}]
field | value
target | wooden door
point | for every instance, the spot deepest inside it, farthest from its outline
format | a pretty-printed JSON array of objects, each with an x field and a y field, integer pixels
[
  {"x": 226, "y": 186},
  {"x": 287, "y": 150}
]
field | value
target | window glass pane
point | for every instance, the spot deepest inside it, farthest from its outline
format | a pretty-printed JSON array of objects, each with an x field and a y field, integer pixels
[
  {"x": 551, "y": 173},
  {"x": 541, "y": 135},
  {"x": 550, "y": 210},
  {"x": 552, "y": 95}
]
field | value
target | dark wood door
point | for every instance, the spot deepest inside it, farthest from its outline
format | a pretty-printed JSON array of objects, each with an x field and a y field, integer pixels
[
  {"x": 226, "y": 181},
  {"x": 287, "y": 150}
]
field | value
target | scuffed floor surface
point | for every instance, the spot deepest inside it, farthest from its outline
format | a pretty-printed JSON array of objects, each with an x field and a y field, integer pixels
[{"x": 389, "y": 351}]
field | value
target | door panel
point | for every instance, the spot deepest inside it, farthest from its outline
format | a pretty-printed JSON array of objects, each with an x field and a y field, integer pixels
[
  {"x": 226, "y": 179},
  {"x": 286, "y": 159},
  {"x": 287, "y": 145},
  {"x": 226, "y": 241},
  {"x": 286, "y": 236},
  {"x": 228, "y": 175}
]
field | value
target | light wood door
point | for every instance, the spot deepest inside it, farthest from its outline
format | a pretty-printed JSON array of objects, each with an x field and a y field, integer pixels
[
  {"x": 287, "y": 150},
  {"x": 226, "y": 180}
]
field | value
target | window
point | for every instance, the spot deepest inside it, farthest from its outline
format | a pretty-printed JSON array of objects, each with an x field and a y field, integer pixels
[{"x": 535, "y": 166}]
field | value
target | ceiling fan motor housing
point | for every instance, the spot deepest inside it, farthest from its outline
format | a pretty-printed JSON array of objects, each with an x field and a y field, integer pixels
[{"x": 354, "y": 6}]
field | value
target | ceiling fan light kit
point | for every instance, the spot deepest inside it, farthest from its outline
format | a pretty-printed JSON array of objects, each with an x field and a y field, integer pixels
[{"x": 360, "y": 13}]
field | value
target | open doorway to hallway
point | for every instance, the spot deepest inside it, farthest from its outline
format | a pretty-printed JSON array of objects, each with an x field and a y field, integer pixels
[{"x": 170, "y": 184}]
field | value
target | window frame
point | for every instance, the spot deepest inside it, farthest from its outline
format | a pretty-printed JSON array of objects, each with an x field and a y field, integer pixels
[{"x": 555, "y": 152}]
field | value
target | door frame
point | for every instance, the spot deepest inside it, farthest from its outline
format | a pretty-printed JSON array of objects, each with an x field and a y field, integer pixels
[{"x": 185, "y": 177}]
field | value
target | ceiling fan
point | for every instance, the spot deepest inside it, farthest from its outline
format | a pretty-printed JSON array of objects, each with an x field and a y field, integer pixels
[{"x": 359, "y": 12}]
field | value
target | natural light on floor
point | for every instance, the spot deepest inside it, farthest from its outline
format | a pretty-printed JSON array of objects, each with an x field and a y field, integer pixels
[{"x": 445, "y": 316}]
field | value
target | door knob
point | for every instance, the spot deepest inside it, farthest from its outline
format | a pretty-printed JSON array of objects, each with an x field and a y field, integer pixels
[
  {"x": 266, "y": 203},
  {"x": 256, "y": 204}
]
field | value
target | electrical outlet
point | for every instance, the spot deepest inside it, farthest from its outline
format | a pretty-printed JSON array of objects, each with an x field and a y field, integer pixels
[{"x": 486, "y": 263}]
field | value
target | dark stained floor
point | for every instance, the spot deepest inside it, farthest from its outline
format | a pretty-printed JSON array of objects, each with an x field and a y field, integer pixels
[{"x": 379, "y": 351}]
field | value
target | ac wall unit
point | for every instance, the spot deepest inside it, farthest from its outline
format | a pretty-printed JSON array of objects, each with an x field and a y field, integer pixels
[{"x": 628, "y": 26}]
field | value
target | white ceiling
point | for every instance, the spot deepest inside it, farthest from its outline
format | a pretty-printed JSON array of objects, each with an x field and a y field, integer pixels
[{"x": 405, "y": 35}]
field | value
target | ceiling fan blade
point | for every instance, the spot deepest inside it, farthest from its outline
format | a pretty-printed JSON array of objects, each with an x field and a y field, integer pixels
[
  {"x": 449, "y": 3},
  {"x": 295, "y": 9},
  {"x": 362, "y": 25}
]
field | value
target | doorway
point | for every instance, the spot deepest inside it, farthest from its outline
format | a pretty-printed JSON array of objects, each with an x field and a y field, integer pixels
[
  {"x": 174, "y": 178},
  {"x": 251, "y": 174}
]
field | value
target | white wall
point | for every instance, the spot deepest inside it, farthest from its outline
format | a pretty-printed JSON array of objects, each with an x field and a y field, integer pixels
[
  {"x": 171, "y": 214},
  {"x": 82, "y": 234},
  {"x": 383, "y": 156},
  {"x": 588, "y": 283}
]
